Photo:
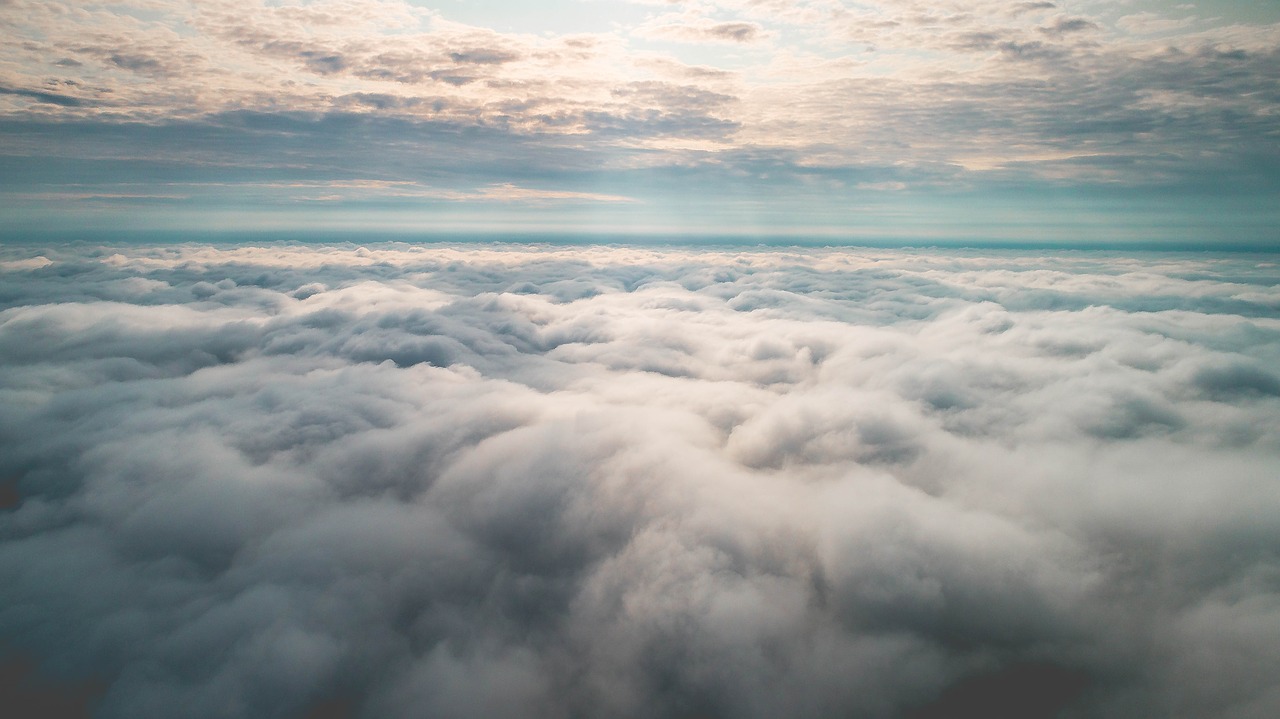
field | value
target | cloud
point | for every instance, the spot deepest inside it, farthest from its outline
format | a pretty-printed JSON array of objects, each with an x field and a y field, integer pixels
[
  {"x": 979, "y": 96},
  {"x": 1026, "y": 7},
  {"x": 1064, "y": 25},
  {"x": 511, "y": 193},
  {"x": 51, "y": 98},
  {"x": 694, "y": 29},
  {"x": 267, "y": 480},
  {"x": 1144, "y": 23},
  {"x": 506, "y": 192}
]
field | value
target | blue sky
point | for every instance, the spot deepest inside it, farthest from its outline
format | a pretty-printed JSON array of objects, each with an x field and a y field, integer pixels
[{"x": 890, "y": 120}]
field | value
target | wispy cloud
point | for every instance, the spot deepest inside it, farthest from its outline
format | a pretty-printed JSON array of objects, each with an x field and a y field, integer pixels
[
  {"x": 501, "y": 192},
  {"x": 988, "y": 93},
  {"x": 694, "y": 27}
]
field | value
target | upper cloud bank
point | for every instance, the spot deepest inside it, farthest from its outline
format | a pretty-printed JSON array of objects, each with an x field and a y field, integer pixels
[
  {"x": 405, "y": 481},
  {"x": 1048, "y": 120}
]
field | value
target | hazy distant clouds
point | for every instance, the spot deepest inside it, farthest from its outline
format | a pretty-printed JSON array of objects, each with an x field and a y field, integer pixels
[{"x": 596, "y": 482}]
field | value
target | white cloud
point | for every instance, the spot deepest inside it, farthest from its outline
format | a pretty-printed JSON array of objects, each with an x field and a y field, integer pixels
[
  {"x": 1149, "y": 23},
  {"x": 818, "y": 82},
  {"x": 623, "y": 481}
]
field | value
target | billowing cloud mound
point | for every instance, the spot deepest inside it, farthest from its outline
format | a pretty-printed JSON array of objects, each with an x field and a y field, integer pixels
[{"x": 409, "y": 481}]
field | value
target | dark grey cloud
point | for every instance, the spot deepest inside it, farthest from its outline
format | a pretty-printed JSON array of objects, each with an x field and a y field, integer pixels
[
  {"x": 1025, "y": 7},
  {"x": 279, "y": 480},
  {"x": 483, "y": 56},
  {"x": 323, "y": 63},
  {"x": 1067, "y": 25},
  {"x": 52, "y": 98},
  {"x": 137, "y": 63},
  {"x": 250, "y": 147},
  {"x": 735, "y": 31}
]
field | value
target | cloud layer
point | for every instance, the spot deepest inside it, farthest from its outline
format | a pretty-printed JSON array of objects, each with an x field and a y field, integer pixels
[
  {"x": 787, "y": 112},
  {"x": 526, "y": 481}
]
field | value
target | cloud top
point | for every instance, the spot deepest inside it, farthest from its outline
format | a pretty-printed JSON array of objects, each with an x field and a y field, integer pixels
[{"x": 469, "y": 481}]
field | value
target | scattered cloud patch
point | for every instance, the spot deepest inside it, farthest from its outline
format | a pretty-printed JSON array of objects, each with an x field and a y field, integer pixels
[
  {"x": 703, "y": 30},
  {"x": 1149, "y": 23}
]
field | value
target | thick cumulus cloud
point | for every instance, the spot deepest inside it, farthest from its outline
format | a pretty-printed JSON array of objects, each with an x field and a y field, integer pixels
[{"x": 286, "y": 481}]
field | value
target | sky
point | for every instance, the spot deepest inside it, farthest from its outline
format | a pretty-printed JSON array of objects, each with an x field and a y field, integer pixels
[
  {"x": 585, "y": 359},
  {"x": 304, "y": 480},
  {"x": 891, "y": 120}
]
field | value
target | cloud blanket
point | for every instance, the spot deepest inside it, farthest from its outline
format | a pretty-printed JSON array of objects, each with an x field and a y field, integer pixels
[{"x": 455, "y": 481}]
